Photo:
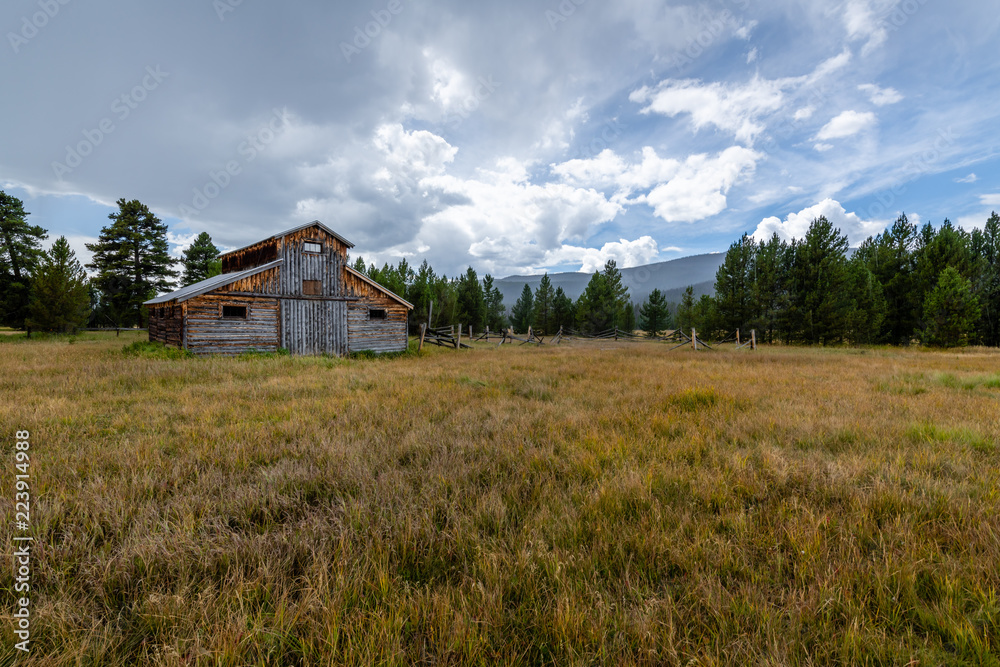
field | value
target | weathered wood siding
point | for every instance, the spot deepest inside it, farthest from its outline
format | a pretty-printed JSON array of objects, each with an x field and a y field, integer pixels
[
  {"x": 210, "y": 333},
  {"x": 314, "y": 326},
  {"x": 168, "y": 327},
  {"x": 298, "y": 265},
  {"x": 251, "y": 256},
  {"x": 265, "y": 282},
  {"x": 363, "y": 333}
]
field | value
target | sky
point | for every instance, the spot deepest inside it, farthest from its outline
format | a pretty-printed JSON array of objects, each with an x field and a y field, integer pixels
[{"x": 516, "y": 137}]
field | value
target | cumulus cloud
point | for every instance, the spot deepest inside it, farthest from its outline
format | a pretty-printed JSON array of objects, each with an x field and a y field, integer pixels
[
  {"x": 795, "y": 225},
  {"x": 626, "y": 254},
  {"x": 880, "y": 96},
  {"x": 677, "y": 191},
  {"x": 699, "y": 189},
  {"x": 846, "y": 124}
]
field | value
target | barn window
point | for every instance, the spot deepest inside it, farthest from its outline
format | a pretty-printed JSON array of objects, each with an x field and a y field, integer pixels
[
  {"x": 159, "y": 312},
  {"x": 312, "y": 246},
  {"x": 235, "y": 311},
  {"x": 376, "y": 313},
  {"x": 312, "y": 287}
]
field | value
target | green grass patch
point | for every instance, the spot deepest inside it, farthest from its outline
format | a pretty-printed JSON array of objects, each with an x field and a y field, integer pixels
[{"x": 155, "y": 350}]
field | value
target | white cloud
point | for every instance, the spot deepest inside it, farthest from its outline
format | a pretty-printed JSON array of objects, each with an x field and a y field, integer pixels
[
  {"x": 846, "y": 124},
  {"x": 699, "y": 189},
  {"x": 677, "y": 191},
  {"x": 880, "y": 96},
  {"x": 862, "y": 23},
  {"x": 990, "y": 200},
  {"x": 971, "y": 178},
  {"x": 805, "y": 113},
  {"x": 795, "y": 225},
  {"x": 417, "y": 153},
  {"x": 626, "y": 254},
  {"x": 745, "y": 30},
  {"x": 752, "y": 56},
  {"x": 822, "y": 148},
  {"x": 732, "y": 108}
]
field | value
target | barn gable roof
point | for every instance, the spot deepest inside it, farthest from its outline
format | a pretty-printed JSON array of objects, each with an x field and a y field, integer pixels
[
  {"x": 315, "y": 223},
  {"x": 209, "y": 284},
  {"x": 379, "y": 287}
]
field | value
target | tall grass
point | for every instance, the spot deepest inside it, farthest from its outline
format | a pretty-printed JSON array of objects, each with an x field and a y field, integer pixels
[{"x": 587, "y": 504}]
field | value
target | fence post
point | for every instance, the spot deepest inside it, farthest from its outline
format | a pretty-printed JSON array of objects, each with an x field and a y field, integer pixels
[
  {"x": 694, "y": 339},
  {"x": 458, "y": 340},
  {"x": 487, "y": 333},
  {"x": 753, "y": 339},
  {"x": 616, "y": 332},
  {"x": 423, "y": 330},
  {"x": 737, "y": 338},
  {"x": 470, "y": 333}
]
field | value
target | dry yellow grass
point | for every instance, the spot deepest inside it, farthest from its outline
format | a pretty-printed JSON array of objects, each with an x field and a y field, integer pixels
[{"x": 586, "y": 504}]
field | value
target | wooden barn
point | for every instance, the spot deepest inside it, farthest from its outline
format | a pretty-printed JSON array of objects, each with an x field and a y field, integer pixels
[{"x": 293, "y": 291}]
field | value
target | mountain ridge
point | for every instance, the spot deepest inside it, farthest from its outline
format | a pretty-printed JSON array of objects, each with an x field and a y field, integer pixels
[{"x": 670, "y": 277}]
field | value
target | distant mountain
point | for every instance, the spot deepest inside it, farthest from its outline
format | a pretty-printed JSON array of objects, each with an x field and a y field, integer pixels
[{"x": 669, "y": 277}]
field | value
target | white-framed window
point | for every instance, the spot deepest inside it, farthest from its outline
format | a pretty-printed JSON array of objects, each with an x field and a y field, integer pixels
[{"x": 312, "y": 246}]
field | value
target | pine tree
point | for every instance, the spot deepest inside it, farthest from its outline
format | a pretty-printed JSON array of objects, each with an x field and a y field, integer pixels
[
  {"x": 594, "y": 309},
  {"x": 937, "y": 250},
  {"x": 734, "y": 293},
  {"x": 131, "y": 260},
  {"x": 685, "y": 310},
  {"x": 870, "y": 307},
  {"x": 471, "y": 304},
  {"x": 60, "y": 298},
  {"x": 20, "y": 253},
  {"x": 496, "y": 313},
  {"x": 770, "y": 295},
  {"x": 523, "y": 310},
  {"x": 950, "y": 311},
  {"x": 654, "y": 314},
  {"x": 986, "y": 247},
  {"x": 563, "y": 312},
  {"x": 201, "y": 260},
  {"x": 360, "y": 266},
  {"x": 821, "y": 304},
  {"x": 542, "y": 316},
  {"x": 617, "y": 294}
]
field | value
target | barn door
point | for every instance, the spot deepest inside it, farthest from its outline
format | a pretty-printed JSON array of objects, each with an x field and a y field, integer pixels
[{"x": 314, "y": 326}]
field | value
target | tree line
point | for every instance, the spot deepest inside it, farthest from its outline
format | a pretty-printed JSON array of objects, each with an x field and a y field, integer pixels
[{"x": 938, "y": 286}]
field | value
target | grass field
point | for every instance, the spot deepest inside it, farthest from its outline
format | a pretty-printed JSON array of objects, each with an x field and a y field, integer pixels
[{"x": 587, "y": 504}]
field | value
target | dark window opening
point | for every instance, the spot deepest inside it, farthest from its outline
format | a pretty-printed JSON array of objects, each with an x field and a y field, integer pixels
[
  {"x": 376, "y": 313},
  {"x": 235, "y": 311},
  {"x": 312, "y": 287},
  {"x": 312, "y": 246}
]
